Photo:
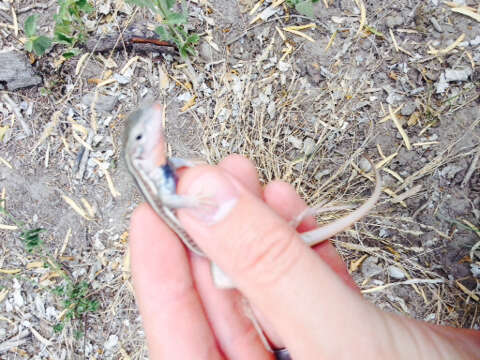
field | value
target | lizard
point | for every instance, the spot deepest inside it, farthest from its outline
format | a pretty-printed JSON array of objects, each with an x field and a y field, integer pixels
[{"x": 155, "y": 175}]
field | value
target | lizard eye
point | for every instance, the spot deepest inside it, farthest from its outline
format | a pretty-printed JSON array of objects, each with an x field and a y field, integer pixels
[{"x": 138, "y": 137}]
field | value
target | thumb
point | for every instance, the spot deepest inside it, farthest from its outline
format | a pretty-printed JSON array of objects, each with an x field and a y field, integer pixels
[{"x": 269, "y": 263}]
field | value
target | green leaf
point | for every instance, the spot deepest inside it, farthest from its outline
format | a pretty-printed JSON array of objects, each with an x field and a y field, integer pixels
[
  {"x": 192, "y": 39},
  {"x": 58, "y": 327},
  {"x": 71, "y": 53},
  {"x": 175, "y": 19},
  {"x": 84, "y": 6},
  {"x": 305, "y": 8},
  {"x": 63, "y": 39},
  {"x": 163, "y": 33},
  {"x": 30, "y": 26},
  {"x": 143, "y": 3},
  {"x": 183, "y": 52},
  {"x": 65, "y": 27},
  {"x": 41, "y": 44},
  {"x": 169, "y": 3},
  {"x": 29, "y": 45}
]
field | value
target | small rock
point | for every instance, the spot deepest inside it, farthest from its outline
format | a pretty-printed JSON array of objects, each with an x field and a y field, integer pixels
[
  {"x": 370, "y": 268},
  {"x": 322, "y": 173},
  {"x": 104, "y": 103},
  {"x": 271, "y": 109},
  {"x": 16, "y": 72},
  {"x": 122, "y": 80},
  {"x": 442, "y": 84},
  {"x": 458, "y": 75},
  {"x": 186, "y": 96},
  {"x": 395, "y": 272},
  {"x": 51, "y": 313},
  {"x": 308, "y": 146},
  {"x": 475, "y": 41},
  {"x": 436, "y": 25},
  {"x": 104, "y": 8},
  {"x": 296, "y": 142},
  {"x": 365, "y": 165},
  {"x": 111, "y": 342},
  {"x": 394, "y": 20},
  {"x": 283, "y": 66},
  {"x": 475, "y": 269},
  {"x": 383, "y": 233},
  {"x": 18, "y": 298},
  {"x": 408, "y": 108},
  {"x": 450, "y": 171}
]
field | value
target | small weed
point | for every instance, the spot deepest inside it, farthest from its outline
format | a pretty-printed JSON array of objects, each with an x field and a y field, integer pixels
[
  {"x": 174, "y": 25},
  {"x": 304, "y": 7},
  {"x": 36, "y": 43},
  {"x": 76, "y": 301},
  {"x": 31, "y": 239},
  {"x": 69, "y": 30}
]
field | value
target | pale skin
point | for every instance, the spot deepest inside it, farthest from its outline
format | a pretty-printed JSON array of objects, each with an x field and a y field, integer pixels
[{"x": 305, "y": 297}]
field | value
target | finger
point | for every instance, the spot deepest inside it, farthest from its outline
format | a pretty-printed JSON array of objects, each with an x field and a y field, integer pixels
[
  {"x": 173, "y": 318},
  {"x": 225, "y": 309},
  {"x": 283, "y": 198},
  {"x": 272, "y": 266},
  {"x": 226, "y": 312},
  {"x": 244, "y": 171}
]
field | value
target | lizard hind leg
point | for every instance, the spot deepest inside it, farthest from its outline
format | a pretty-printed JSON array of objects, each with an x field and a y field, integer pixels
[{"x": 178, "y": 163}]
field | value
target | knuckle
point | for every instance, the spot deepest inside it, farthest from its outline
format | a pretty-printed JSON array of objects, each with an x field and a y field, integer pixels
[{"x": 268, "y": 255}]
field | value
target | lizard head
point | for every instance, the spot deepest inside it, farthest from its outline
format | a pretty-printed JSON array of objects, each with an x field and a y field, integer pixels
[{"x": 145, "y": 142}]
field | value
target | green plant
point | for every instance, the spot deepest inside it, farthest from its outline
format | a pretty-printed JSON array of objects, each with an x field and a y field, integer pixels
[
  {"x": 70, "y": 28},
  {"x": 31, "y": 238},
  {"x": 76, "y": 301},
  {"x": 173, "y": 28},
  {"x": 36, "y": 43},
  {"x": 75, "y": 298},
  {"x": 304, "y": 7}
]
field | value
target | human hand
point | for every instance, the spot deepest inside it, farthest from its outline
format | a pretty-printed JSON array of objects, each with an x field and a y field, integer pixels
[{"x": 305, "y": 298}]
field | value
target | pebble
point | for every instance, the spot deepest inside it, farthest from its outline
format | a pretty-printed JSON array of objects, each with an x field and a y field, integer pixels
[
  {"x": 308, "y": 146},
  {"x": 16, "y": 72},
  {"x": 104, "y": 103},
  {"x": 296, "y": 142},
  {"x": 475, "y": 269},
  {"x": 395, "y": 272},
  {"x": 436, "y": 25},
  {"x": 408, "y": 108},
  {"x": 122, "y": 80},
  {"x": 365, "y": 165},
  {"x": 111, "y": 342},
  {"x": 322, "y": 173},
  {"x": 18, "y": 298},
  {"x": 458, "y": 75},
  {"x": 283, "y": 66},
  {"x": 394, "y": 20},
  {"x": 370, "y": 267}
]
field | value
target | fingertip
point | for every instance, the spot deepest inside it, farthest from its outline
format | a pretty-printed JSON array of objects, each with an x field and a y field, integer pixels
[
  {"x": 244, "y": 170},
  {"x": 283, "y": 198}
]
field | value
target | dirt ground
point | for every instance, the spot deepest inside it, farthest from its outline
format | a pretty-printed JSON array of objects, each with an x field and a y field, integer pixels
[{"x": 401, "y": 84}]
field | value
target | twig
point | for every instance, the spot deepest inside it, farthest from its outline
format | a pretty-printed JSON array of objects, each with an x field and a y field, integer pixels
[
  {"x": 472, "y": 168},
  {"x": 139, "y": 40},
  {"x": 32, "y": 6},
  {"x": 85, "y": 155},
  {"x": 235, "y": 39},
  {"x": 13, "y": 107}
]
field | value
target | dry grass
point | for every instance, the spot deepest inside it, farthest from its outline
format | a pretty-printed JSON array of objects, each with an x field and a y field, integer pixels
[{"x": 266, "y": 115}]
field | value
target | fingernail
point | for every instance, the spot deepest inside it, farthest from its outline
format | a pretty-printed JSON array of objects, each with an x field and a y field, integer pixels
[{"x": 218, "y": 194}]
